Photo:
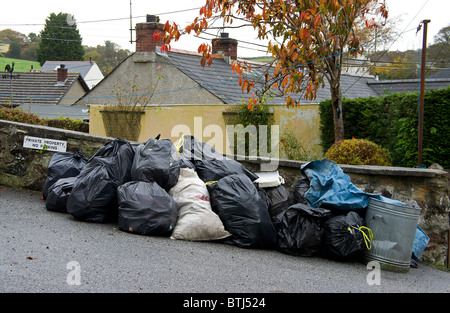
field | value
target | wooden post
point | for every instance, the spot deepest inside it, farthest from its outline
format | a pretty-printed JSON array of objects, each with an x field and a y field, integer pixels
[{"x": 422, "y": 92}]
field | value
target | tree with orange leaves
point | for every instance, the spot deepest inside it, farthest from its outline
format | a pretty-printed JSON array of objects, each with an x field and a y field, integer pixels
[{"x": 308, "y": 39}]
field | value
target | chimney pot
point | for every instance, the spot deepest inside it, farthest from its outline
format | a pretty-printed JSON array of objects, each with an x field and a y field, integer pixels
[{"x": 152, "y": 18}]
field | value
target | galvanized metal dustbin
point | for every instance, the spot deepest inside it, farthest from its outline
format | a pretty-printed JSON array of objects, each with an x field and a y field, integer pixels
[{"x": 394, "y": 228}]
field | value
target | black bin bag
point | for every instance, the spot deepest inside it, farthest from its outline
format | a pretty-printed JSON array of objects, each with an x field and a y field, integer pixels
[
  {"x": 280, "y": 199},
  {"x": 243, "y": 212},
  {"x": 118, "y": 155},
  {"x": 190, "y": 148},
  {"x": 94, "y": 194},
  {"x": 301, "y": 229},
  {"x": 209, "y": 164},
  {"x": 343, "y": 236},
  {"x": 63, "y": 165},
  {"x": 300, "y": 190},
  {"x": 58, "y": 196},
  {"x": 214, "y": 170},
  {"x": 147, "y": 209},
  {"x": 158, "y": 161}
]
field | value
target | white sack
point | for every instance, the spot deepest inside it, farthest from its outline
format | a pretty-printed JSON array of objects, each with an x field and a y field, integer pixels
[{"x": 196, "y": 220}]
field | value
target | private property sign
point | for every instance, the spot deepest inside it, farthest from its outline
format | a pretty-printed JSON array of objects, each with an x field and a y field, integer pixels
[{"x": 44, "y": 144}]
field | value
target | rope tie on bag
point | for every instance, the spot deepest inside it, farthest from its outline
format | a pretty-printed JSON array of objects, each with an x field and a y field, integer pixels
[
  {"x": 179, "y": 144},
  {"x": 367, "y": 238}
]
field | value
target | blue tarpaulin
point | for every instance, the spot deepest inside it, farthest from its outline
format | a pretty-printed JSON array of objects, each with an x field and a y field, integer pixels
[
  {"x": 330, "y": 187},
  {"x": 421, "y": 241}
]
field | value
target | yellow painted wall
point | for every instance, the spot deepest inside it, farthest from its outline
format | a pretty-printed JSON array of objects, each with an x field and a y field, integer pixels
[{"x": 207, "y": 123}]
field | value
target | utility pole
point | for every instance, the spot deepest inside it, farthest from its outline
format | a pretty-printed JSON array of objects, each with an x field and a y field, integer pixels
[
  {"x": 422, "y": 91},
  {"x": 131, "y": 22}
]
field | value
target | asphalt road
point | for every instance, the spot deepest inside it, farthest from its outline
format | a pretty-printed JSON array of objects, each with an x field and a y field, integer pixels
[{"x": 48, "y": 252}]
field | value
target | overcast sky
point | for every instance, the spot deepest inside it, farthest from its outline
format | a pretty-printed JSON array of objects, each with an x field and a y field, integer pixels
[{"x": 110, "y": 20}]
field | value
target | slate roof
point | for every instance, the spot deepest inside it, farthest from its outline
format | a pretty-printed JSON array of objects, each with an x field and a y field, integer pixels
[
  {"x": 223, "y": 83},
  {"x": 220, "y": 81},
  {"x": 35, "y": 87},
  {"x": 352, "y": 86},
  {"x": 82, "y": 67},
  {"x": 445, "y": 73},
  {"x": 383, "y": 87},
  {"x": 217, "y": 78},
  {"x": 56, "y": 111}
]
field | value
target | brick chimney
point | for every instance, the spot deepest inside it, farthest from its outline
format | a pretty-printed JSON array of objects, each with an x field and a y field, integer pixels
[
  {"x": 225, "y": 46},
  {"x": 62, "y": 74},
  {"x": 144, "y": 34}
]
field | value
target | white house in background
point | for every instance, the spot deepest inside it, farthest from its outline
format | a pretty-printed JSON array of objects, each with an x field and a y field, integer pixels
[{"x": 88, "y": 70}]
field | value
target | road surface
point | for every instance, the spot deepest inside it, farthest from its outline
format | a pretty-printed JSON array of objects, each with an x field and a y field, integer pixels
[{"x": 48, "y": 252}]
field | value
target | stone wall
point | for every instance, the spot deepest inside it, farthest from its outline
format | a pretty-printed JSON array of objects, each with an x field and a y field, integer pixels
[
  {"x": 428, "y": 188},
  {"x": 27, "y": 168}
]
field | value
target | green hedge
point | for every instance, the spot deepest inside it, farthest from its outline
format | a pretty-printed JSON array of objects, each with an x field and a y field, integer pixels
[
  {"x": 391, "y": 121},
  {"x": 21, "y": 116}
]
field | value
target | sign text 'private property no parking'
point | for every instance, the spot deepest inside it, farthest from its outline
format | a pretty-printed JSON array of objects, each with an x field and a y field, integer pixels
[{"x": 44, "y": 144}]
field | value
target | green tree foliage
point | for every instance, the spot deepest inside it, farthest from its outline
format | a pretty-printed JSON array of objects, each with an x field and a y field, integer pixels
[
  {"x": 107, "y": 56},
  {"x": 21, "y": 46},
  {"x": 395, "y": 64},
  {"x": 14, "y": 50},
  {"x": 13, "y": 35},
  {"x": 443, "y": 35},
  {"x": 60, "y": 41},
  {"x": 438, "y": 54},
  {"x": 30, "y": 53},
  {"x": 391, "y": 122},
  {"x": 243, "y": 116},
  {"x": 406, "y": 64}
]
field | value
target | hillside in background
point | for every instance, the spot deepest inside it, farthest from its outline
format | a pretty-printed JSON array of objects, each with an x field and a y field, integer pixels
[{"x": 19, "y": 65}]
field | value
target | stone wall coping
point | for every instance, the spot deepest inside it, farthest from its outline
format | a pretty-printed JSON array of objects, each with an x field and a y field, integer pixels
[
  {"x": 58, "y": 132},
  {"x": 349, "y": 169}
]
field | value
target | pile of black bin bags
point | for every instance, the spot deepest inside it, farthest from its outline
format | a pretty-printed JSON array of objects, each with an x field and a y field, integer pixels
[{"x": 186, "y": 190}]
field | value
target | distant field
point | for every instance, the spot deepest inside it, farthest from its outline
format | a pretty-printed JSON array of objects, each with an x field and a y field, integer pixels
[{"x": 19, "y": 65}]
